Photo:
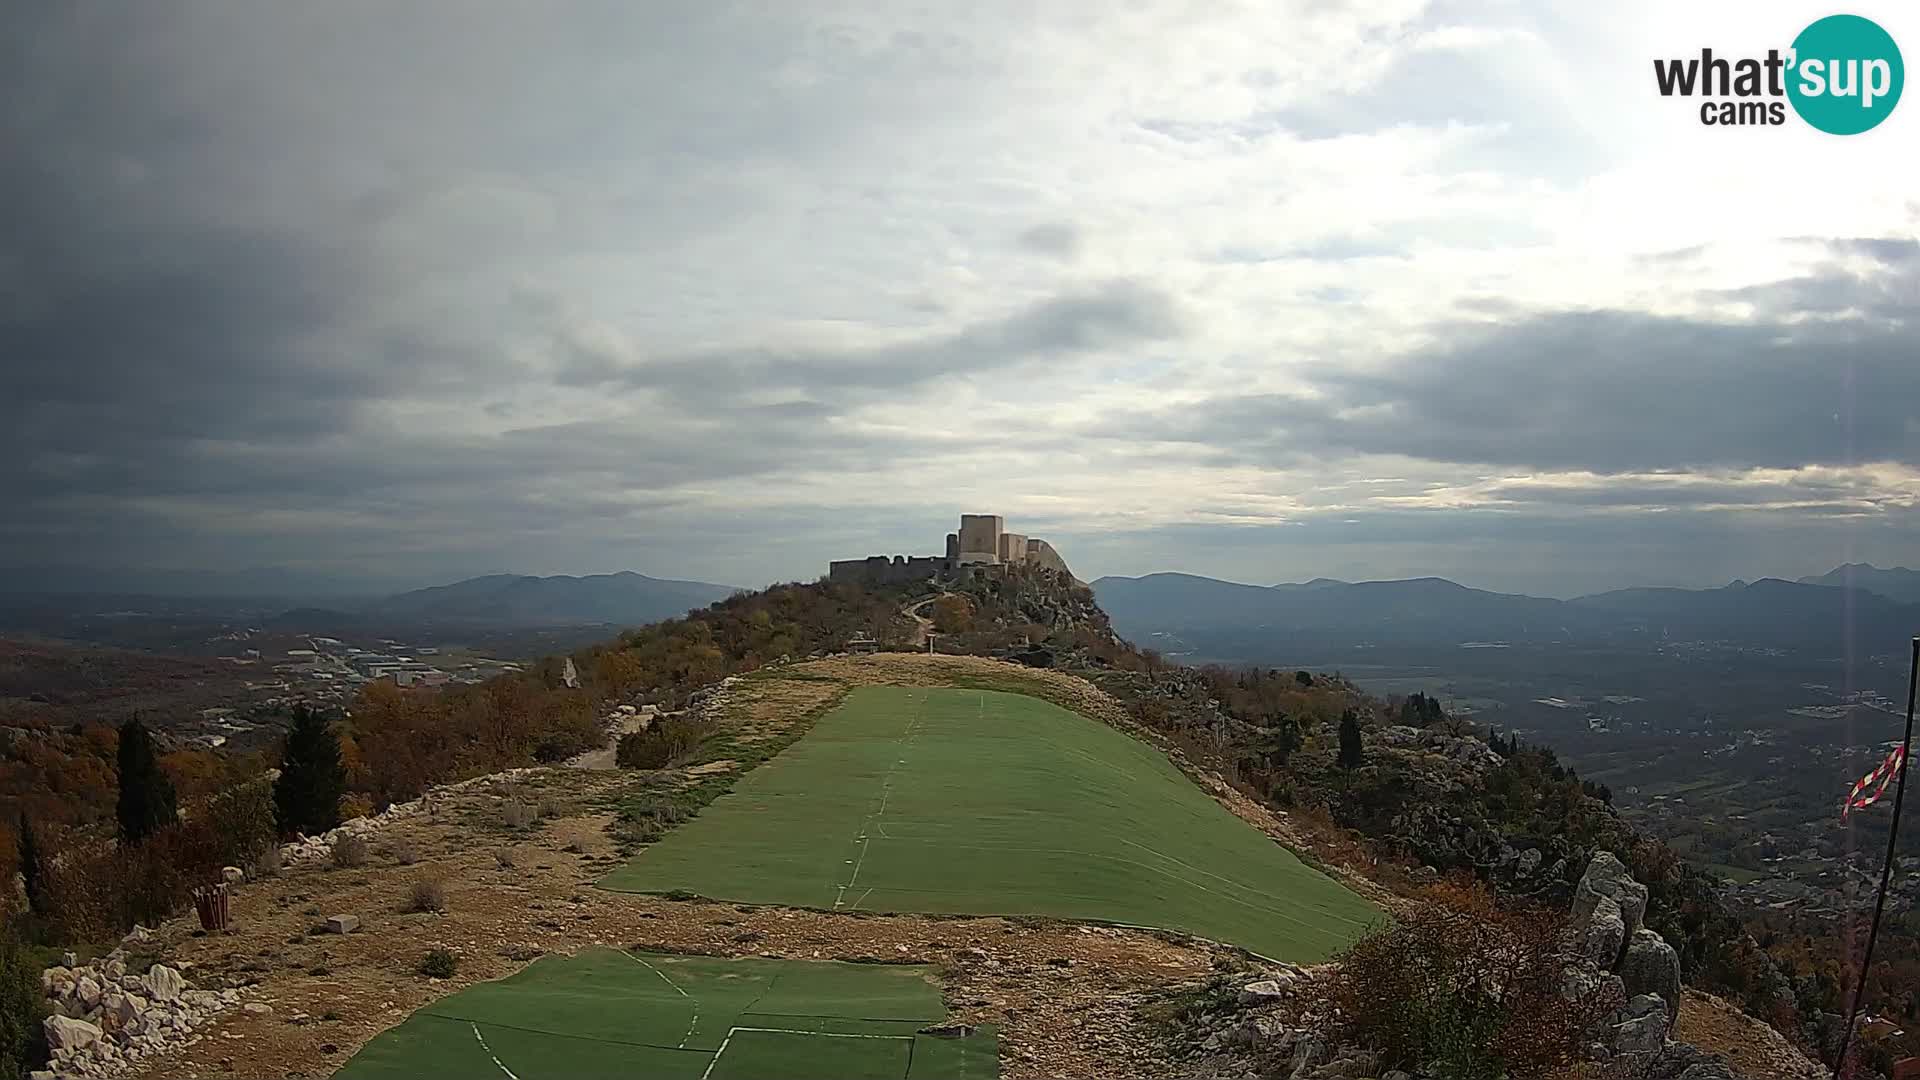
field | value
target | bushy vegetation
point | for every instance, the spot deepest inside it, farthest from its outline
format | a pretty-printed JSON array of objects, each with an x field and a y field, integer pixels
[
  {"x": 429, "y": 894},
  {"x": 1463, "y": 989},
  {"x": 661, "y": 745},
  {"x": 349, "y": 852},
  {"x": 243, "y": 817},
  {"x": 438, "y": 964},
  {"x": 23, "y": 1045}
]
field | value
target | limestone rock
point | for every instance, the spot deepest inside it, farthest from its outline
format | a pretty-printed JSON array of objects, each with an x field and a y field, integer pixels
[
  {"x": 1644, "y": 1029},
  {"x": 1259, "y": 993},
  {"x": 87, "y": 991},
  {"x": 1528, "y": 862},
  {"x": 1607, "y": 878},
  {"x": 66, "y": 1033},
  {"x": 232, "y": 875},
  {"x": 1651, "y": 966},
  {"x": 1603, "y": 932},
  {"x": 164, "y": 983}
]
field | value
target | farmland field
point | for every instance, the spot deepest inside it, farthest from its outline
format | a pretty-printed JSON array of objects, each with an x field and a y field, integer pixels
[
  {"x": 607, "y": 1013},
  {"x": 977, "y": 802}
]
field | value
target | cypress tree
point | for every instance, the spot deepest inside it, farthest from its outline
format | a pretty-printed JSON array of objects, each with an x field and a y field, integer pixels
[
  {"x": 306, "y": 797},
  {"x": 30, "y": 861},
  {"x": 1350, "y": 753},
  {"x": 147, "y": 802}
]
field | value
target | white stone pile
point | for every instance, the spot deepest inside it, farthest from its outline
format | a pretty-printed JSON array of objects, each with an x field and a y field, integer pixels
[
  {"x": 107, "y": 1019},
  {"x": 308, "y": 848}
]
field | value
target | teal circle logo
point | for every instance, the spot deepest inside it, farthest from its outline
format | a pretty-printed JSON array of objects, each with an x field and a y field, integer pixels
[{"x": 1846, "y": 75}]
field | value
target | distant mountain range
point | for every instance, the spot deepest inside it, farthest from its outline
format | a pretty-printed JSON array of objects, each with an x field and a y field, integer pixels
[
  {"x": 1430, "y": 611},
  {"x": 1897, "y": 583},
  {"x": 625, "y": 598}
]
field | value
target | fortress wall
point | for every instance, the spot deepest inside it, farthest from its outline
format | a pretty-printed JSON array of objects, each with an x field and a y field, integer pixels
[{"x": 1041, "y": 553}]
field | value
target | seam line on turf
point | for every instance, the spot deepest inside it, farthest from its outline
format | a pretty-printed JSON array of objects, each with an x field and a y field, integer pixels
[
  {"x": 691, "y": 1024},
  {"x": 496, "y": 1060}
]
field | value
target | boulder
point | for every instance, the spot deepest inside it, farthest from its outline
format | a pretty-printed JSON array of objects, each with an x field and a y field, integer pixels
[
  {"x": 232, "y": 875},
  {"x": 1259, "y": 993},
  {"x": 1602, "y": 933},
  {"x": 1651, "y": 966},
  {"x": 66, "y": 1033},
  {"x": 343, "y": 924},
  {"x": 1529, "y": 862},
  {"x": 55, "y": 977},
  {"x": 1643, "y": 1031},
  {"x": 164, "y": 983},
  {"x": 1254, "y": 1031},
  {"x": 1607, "y": 878},
  {"x": 87, "y": 991}
]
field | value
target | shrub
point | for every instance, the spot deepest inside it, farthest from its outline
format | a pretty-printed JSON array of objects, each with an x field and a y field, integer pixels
[
  {"x": 505, "y": 858},
  {"x": 438, "y": 964},
  {"x": 429, "y": 894},
  {"x": 518, "y": 815},
  {"x": 349, "y": 851},
  {"x": 662, "y": 744},
  {"x": 1462, "y": 994},
  {"x": 23, "y": 1045},
  {"x": 549, "y": 807},
  {"x": 243, "y": 817},
  {"x": 267, "y": 865},
  {"x": 306, "y": 797},
  {"x": 355, "y": 804},
  {"x": 93, "y": 891},
  {"x": 404, "y": 852}
]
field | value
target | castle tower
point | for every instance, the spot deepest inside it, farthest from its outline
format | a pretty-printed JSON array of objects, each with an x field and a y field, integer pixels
[{"x": 980, "y": 537}]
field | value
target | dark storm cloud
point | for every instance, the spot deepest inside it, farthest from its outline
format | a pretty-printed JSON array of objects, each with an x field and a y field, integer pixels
[
  {"x": 1614, "y": 391},
  {"x": 1114, "y": 315}
]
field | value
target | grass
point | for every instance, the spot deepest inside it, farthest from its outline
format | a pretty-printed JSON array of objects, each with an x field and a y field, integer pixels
[
  {"x": 605, "y": 1013},
  {"x": 977, "y": 802}
]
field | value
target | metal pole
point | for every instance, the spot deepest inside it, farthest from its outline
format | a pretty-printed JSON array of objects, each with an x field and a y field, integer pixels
[{"x": 1886, "y": 872}]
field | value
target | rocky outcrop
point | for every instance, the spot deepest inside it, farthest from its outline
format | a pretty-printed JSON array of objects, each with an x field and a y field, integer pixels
[
  {"x": 1651, "y": 966},
  {"x": 1608, "y": 909}
]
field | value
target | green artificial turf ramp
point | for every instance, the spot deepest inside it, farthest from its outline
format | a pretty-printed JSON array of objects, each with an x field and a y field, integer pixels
[
  {"x": 607, "y": 1013},
  {"x": 986, "y": 803}
]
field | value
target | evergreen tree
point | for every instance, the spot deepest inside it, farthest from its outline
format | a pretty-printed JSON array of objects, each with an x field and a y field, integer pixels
[
  {"x": 147, "y": 802},
  {"x": 23, "y": 1043},
  {"x": 1351, "y": 754},
  {"x": 306, "y": 797},
  {"x": 30, "y": 861}
]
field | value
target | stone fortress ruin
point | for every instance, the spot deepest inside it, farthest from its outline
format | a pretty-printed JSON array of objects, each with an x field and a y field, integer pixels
[{"x": 983, "y": 545}]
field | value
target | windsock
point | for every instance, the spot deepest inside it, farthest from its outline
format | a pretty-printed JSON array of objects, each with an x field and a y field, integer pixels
[{"x": 1874, "y": 784}]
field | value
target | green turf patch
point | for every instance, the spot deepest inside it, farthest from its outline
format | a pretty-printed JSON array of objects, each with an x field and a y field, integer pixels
[
  {"x": 607, "y": 1013},
  {"x": 976, "y": 802}
]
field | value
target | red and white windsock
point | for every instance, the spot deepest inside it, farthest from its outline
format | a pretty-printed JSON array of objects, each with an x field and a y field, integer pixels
[{"x": 1861, "y": 797}]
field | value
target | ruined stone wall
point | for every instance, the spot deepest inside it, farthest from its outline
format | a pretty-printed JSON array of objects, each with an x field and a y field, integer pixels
[
  {"x": 885, "y": 570},
  {"x": 1041, "y": 553}
]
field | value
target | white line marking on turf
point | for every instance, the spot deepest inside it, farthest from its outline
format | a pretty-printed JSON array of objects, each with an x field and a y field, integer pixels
[
  {"x": 787, "y": 1031},
  {"x": 489, "y": 1050},
  {"x": 691, "y": 1024},
  {"x": 869, "y": 826}
]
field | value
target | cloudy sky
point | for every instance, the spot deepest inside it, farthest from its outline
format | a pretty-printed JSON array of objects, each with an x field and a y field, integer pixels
[{"x": 1262, "y": 290}]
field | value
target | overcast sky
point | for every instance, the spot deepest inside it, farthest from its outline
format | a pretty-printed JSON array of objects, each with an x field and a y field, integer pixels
[{"x": 1264, "y": 291}]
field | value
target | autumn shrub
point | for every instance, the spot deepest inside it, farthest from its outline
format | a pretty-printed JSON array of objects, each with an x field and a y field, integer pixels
[
  {"x": 267, "y": 865},
  {"x": 349, "y": 851},
  {"x": 243, "y": 818},
  {"x": 404, "y": 852},
  {"x": 429, "y": 894},
  {"x": 516, "y": 814},
  {"x": 662, "y": 744},
  {"x": 100, "y": 890},
  {"x": 1466, "y": 993}
]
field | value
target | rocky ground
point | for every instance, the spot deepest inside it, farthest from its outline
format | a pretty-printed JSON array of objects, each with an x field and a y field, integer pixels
[{"x": 279, "y": 994}]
